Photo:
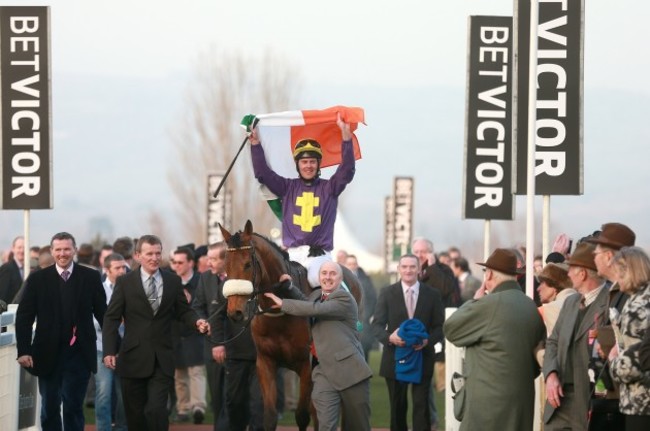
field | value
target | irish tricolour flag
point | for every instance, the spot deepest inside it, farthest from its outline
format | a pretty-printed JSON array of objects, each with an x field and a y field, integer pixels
[{"x": 279, "y": 132}]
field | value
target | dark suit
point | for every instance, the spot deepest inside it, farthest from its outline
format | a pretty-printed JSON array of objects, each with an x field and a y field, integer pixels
[
  {"x": 243, "y": 395},
  {"x": 440, "y": 276},
  {"x": 206, "y": 303},
  {"x": 145, "y": 361},
  {"x": 369, "y": 304},
  {"x": 58, "y": 307},
  {"x": 10, "y": 281},
  {"x": 389, "y": 314}
]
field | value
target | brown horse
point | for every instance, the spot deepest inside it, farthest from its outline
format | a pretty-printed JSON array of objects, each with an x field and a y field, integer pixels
[{"x": 254, "y": 265}]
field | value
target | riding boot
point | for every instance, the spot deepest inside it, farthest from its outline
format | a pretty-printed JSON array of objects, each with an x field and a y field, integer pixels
[{"x": 287, "y": 290}]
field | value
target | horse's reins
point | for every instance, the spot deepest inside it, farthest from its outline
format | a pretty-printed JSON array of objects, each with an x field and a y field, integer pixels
[{"x": 230, "y": 340}]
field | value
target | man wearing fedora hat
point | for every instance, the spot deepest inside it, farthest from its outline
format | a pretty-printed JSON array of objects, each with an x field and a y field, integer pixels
[
  {"x": 554, "y": 287},
  {"x": 613, "y": 237},
  {"x": 570, "y": 365},
  {"x": 500, "y": 332}
]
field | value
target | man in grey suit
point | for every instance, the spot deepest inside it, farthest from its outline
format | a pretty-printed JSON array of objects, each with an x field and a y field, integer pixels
[
  {"x": 467, "y": 283},
  {"x": 570, "y": 347},
  {"x": 342, "y": 376}
]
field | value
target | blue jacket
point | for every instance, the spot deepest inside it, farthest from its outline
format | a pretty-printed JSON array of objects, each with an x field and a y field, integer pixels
[{"x": 408, "y": 362}]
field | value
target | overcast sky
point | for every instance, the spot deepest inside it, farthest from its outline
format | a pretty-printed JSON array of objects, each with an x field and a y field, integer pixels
[{"x": 120, "y": 70}]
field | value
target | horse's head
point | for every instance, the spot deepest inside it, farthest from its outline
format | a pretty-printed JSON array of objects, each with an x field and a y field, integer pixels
[
  {"x": 253, "y": 265},
  {"x": 241, "y": 269}
]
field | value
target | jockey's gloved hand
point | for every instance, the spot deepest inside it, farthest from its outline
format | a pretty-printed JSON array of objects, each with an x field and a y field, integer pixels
[
  {"x": 315, "y": 251},
  {"x": 287, "y": 290}
]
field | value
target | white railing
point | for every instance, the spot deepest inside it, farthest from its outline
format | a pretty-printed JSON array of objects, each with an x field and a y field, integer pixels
[{"x": 15, "y": 407}]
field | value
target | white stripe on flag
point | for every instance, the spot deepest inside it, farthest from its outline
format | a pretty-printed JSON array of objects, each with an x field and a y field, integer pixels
[{"x": 286, "y": 118}]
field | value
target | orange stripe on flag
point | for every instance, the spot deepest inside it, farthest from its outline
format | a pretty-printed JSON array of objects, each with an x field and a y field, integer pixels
[
  {"x": 349, "y": 115},
  {"x": 321, "y": 126}
]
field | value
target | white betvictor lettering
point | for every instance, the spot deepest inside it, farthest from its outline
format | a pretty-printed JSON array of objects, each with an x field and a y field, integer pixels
[
  {"x": 26, "y": 123},
  {"x": 491, "y": 132},
  {"x": 552, "y": 107}
]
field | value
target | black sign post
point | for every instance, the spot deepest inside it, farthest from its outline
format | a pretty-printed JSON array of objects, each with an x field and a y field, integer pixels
[
  {"x": 559, "y": 106},
  {"x": 26, "y": 179},
  {"x": 488, "y": 138}
]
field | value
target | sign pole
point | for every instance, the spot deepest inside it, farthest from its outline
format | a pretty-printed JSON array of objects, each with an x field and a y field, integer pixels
[
  {"x": 486, "y": 239},
  {"x": 27, "y": 261},
  {"x": 532, "y": 132},
  {"x": 546, "y": 224}
]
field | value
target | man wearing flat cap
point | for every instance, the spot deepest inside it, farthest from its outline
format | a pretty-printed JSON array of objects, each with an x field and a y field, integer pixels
[
  {"x": 570, "y": 350},
  {"x": 500, "y": 332}
]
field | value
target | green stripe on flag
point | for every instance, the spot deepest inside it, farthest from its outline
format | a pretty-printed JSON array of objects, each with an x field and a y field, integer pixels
[
  {"x": 247, "y": 121},
  {"x": 276, "y": 207}
]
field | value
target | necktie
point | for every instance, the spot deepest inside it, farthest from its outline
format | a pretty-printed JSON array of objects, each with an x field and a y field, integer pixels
[
  {"x": 410, "y": 302},
  {"x": 152, "y": 294},
  {"x": 583, "y": 305},
  {"x": 323, "y": 297},
  {"x": 65, "y": 275}
]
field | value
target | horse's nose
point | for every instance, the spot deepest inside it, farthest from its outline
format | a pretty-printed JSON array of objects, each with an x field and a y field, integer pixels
[{"x": 237, "y": 316}]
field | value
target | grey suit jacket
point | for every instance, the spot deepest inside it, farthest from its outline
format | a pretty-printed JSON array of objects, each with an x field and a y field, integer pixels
[
  {"x": 561, "y": 340},
  {"x": 335, "y": 336},
  {"x": 469, "y": 287}
]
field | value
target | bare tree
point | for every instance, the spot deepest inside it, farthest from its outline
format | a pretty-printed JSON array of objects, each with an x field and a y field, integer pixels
[{"x": 225, "y": 88}]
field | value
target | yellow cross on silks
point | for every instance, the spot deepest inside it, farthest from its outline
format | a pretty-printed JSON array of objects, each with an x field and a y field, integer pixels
[{"x": 306, "y": 220}]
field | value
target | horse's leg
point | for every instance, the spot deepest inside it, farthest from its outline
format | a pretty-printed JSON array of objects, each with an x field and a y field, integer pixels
[
  {"x": 304, "y": 408},
  {"x": 266, "y": 373}
]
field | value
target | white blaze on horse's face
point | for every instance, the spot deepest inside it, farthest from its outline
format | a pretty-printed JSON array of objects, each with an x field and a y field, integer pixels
[
  {"x": 330, "y": 276},
  {"x": 237, "y": 287}
]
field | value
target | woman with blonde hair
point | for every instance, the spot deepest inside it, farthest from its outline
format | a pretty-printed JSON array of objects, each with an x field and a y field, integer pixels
[{"x": 632, "y": 267}]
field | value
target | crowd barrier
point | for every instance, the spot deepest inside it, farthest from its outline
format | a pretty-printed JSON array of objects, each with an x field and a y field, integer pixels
[{"x": 19, "y": 399}]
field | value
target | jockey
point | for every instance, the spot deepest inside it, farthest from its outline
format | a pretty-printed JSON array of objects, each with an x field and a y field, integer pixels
[{"x": 309, "y": 202}]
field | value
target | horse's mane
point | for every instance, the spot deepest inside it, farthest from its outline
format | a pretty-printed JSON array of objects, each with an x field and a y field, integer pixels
[
  {"x": 237, "y": 241},
  {"x": 273, "y": 245}
]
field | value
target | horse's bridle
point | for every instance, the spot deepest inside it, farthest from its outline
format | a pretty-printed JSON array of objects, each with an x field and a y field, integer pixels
[{"x": 256, "y": 267}]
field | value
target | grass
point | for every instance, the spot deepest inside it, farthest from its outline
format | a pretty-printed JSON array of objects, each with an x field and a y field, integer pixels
[{"x": 379, "y": 406}]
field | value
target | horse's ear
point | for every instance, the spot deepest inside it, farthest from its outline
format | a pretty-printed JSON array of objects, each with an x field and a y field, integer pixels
[
  {"x": 225, "y": 233},
  {"x": 248, "y": 229}
]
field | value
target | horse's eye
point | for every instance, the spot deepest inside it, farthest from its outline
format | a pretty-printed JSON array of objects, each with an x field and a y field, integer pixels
[{"x": 247, "y": 266}]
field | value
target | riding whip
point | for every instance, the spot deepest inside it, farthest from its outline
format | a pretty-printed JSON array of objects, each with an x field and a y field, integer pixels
[{"x": 249, "y": 122}]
